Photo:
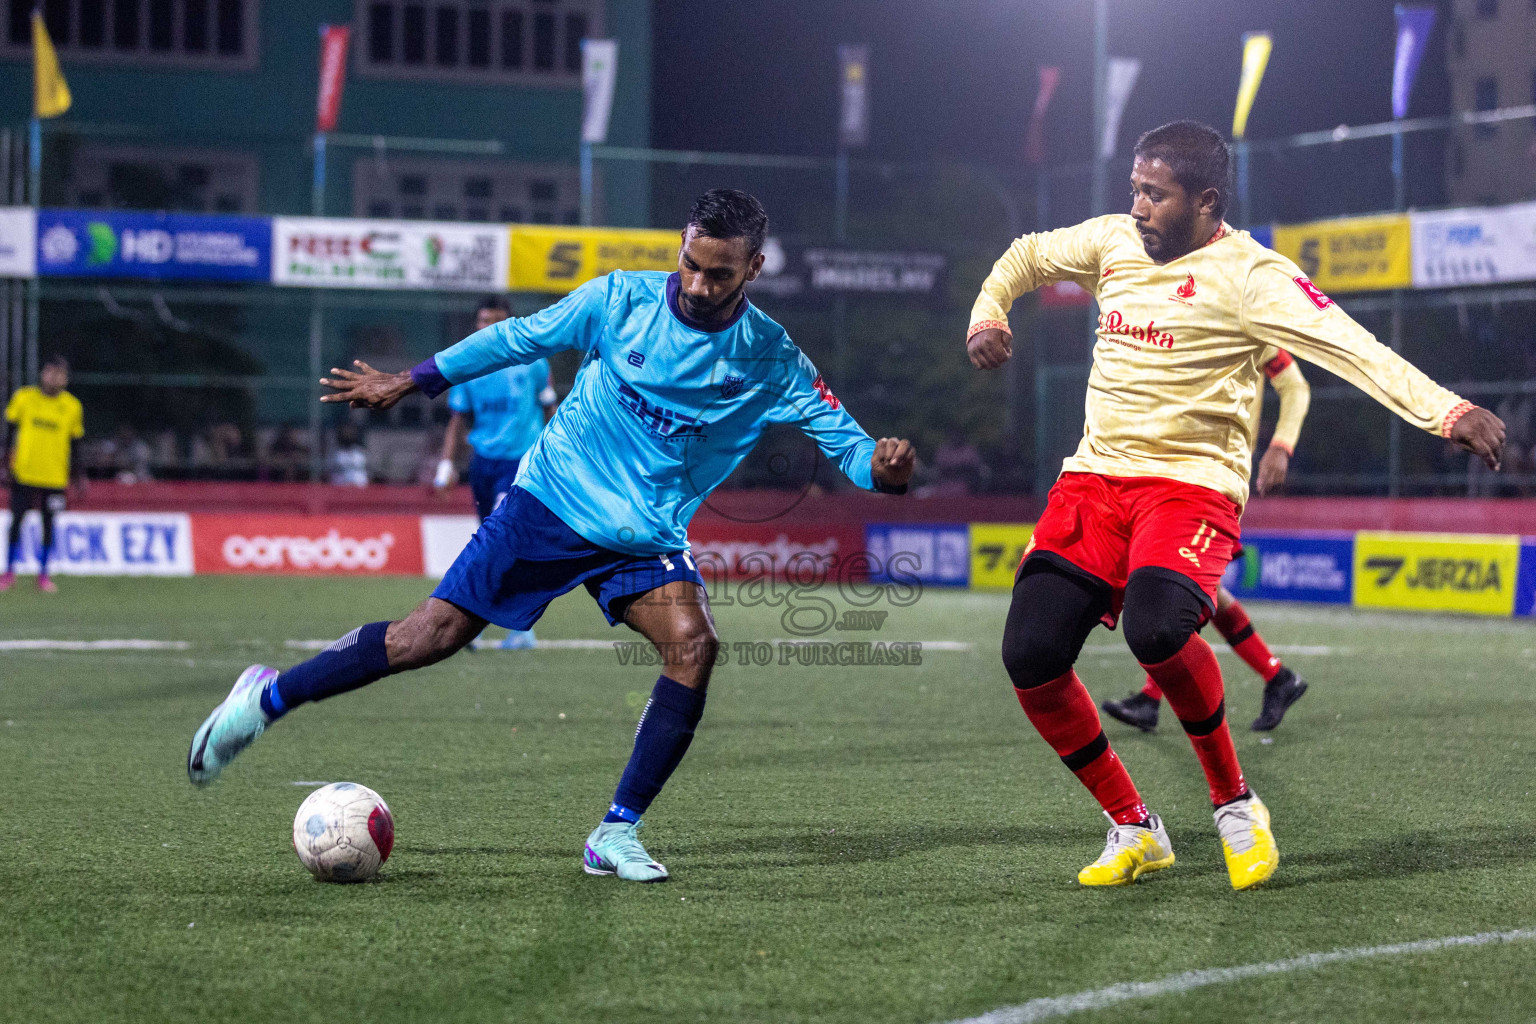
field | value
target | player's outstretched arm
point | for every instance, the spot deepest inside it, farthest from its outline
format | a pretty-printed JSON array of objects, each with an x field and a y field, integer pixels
[
  {"x": 367, "y": 388},
  {"x": 892, "y": 464},
  {"x": 1066, "y": 254}
]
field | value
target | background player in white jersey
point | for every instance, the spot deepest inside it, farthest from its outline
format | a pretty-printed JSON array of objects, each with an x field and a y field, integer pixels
[{"x": 500, "y": 415}]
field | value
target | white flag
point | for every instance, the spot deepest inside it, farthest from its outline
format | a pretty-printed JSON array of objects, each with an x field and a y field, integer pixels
[
  {"x": 1119, "y": 80},
  {"x": 599, "y": 68}
]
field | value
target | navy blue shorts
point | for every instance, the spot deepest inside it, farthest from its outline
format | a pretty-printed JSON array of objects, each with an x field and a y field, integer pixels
[
  {"x": 524, "y": 556},
  {"x": 490, "y": 480}
]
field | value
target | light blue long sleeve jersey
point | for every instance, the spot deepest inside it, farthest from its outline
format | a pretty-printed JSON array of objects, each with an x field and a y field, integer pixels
[
  {"x": 662, "y": 410},
  {"x": 508, "y": 409}
]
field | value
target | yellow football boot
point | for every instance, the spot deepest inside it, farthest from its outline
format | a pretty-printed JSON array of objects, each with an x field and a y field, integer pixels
[
  {"x": 1252, "y": 855},
  {"x": 1131, "y": 852}
]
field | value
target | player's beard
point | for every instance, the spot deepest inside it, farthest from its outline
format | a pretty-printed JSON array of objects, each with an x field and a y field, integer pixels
[
  {"x": 714, "y": 311},
  {"x": 1176, "y": 240}
]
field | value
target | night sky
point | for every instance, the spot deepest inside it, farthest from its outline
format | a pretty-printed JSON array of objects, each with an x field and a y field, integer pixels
[{"x": 956, "y": 80}]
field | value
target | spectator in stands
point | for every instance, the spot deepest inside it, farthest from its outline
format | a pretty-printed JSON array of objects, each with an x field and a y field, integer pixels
[
  {"x": 349, "y": 460},
  {"x": 130, "y": 455},
  {"x": 288, "y": 457}
]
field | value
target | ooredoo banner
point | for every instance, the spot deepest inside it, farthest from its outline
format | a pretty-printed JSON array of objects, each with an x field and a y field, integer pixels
[
  {"x": 109, "y": 543},
  {"x": 325, "y": 252},
  {"x": 367, "y": 545}
]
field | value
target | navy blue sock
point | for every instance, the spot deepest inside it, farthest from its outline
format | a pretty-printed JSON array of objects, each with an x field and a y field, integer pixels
[
  {"x": 357, "y": 659},
  {"x": 12, "y": 556},
  {"x": 42, "y": 560},
  {"x": 662, "y": 738}
]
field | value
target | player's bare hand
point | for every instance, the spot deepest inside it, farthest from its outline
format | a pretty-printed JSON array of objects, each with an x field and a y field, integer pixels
[
  {"x": 990, "y": 348},
  {"x": 893, "y": 462},
  {"x": 1273, "y": 468},
  {"x": 367, "y": 388},
  {"x": 1481, "y": 433}
]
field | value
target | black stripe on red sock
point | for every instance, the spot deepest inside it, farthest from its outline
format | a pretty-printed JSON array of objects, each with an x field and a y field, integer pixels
[
  {"x": 1083, "y": 756},
  {"x": 1206, "y": 726}
]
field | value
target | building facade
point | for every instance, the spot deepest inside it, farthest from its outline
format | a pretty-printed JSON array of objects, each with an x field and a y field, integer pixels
[{"x": 1491, "y": 58}]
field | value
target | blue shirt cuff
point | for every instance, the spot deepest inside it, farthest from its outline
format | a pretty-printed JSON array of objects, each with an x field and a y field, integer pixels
[{"x": 428, "y": 378}]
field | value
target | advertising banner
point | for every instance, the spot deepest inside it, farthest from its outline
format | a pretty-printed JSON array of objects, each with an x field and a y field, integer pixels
[
  {"x": 853, "y": 114},
  {"x": 442, "y": 538},
  {"x": 790, "y": 270},
  {"x": 599, "y": 72},
  {"x": 1317, "y": 567},
  {"x": 365, "y": 545},
  {"x": 938, "y": 554},
  {"x": 326, "y": 252},
  {"x": 1443, "y": 572},
  {"x": 154, "y": 246},
  {"x": 334, "y": 40},
  {"x": 547, "y": 258},
  {"x": 806, "y": 554},
  {"x": 1525, "y": 580},
  {"x": 109, "y": 543},
  {"x": 1486, "y": 245},
  {"x": 1256, "y": 50},
  {"x": 18, "y": 241},
  {"x": 1414, "y": 25},
  {"x": 1351, "y": 254},
  {"x": 1034, "y": 140},
  {"x": 1119, "y": 79},
  {"x": 996, "y": 551}
]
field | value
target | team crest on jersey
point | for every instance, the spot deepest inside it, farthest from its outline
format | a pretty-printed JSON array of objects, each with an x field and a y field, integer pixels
[
  {"x": 1313, "y": 292},
  {"x": 732, "y": 385},
  {"x": 1186, "y": 291}
]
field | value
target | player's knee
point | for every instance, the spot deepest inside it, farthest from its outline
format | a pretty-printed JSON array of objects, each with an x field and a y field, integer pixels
[
  {"x": 1160, "y": 616},
  {"x": 429, "y": 634},
  {"x": 1034, "y": 657},
  {"x": 691, "y": 657}
]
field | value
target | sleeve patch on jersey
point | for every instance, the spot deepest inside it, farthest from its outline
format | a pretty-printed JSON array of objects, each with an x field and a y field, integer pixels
[
  {"x": 1313, "y": 292},
  {"x": 825, "y": 392},
  {"x": 1276, "y": 366}
]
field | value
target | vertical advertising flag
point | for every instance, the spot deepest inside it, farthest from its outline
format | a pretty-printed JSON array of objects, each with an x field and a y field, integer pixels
[
  {"x": 1256, "y": 49},
  {"x": 1414, "y": 25},
  {"x": 599, "y": 72},
  {"x": 49, "y": 90},
  {"x": 1119, "y": 80},
  {"x": 1034, "y": 144},
  {"x": 334, "y": 40},
  {"x": 853, "y": 120}
]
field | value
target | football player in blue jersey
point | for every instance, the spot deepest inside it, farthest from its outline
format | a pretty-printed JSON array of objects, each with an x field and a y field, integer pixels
[
  {"x": 501, "y": 414},
  {"x": 681, "y": 374}
]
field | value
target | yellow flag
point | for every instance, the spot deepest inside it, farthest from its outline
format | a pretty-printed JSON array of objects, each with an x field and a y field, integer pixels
[
  {"x": 1256, "y": 47},
  {"x": 51, "y": 91}
]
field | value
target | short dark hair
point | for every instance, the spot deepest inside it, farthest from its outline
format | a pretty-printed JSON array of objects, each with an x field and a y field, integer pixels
[
  {"x": 730, "y": 213},
  {"x": 56, "y": 359},
  {"x": 1196, "y": 154},
  {"x": 495, "y": 302}
]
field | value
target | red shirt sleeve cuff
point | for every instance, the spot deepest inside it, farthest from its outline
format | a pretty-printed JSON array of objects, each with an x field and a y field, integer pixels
[
  {"x": 1289, "y": 451},
  {"x": 987, "y": 325},
  {"x": 1456, "y": 413}
]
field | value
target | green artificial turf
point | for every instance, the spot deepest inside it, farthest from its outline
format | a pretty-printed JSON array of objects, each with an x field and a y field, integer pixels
[{"x": 847, "y": 844}]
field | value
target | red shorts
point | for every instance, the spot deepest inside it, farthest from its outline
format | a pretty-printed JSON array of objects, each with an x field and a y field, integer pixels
[{"x": 1108, "y": 527}]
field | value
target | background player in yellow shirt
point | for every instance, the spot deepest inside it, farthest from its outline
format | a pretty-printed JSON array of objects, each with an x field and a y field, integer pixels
[
  {"x": 1282, "y": 686},
  {"x": 45, "y": 422},
  {"x": 1144, "y": 517}
]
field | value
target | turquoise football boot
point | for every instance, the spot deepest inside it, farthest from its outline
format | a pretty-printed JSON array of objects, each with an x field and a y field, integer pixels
[
  {"x": 612, "y": 849},
  {"x": 231, "y": 728},
  {"x": 519, "y": 640}
]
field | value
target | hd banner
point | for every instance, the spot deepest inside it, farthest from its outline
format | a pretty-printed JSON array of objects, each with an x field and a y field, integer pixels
[
  {"x": 153, "y": 246},
  {"x": 559, "y": 259},
  {"x": 935, "y": 554},
  {"x": 1447, "y": 572},
  {"x": 1315, "y": 567},
  {"x": 1487, "y": 245},
  {"x": 1351, "y": 254},
  {"x": 325, "y": 252}
]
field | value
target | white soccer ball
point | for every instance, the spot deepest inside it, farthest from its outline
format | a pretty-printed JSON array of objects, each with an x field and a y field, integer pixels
[{"x": 343, "y": 832}]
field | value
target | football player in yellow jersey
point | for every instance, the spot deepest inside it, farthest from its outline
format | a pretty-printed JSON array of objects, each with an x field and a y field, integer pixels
[
  {"x": 1144, "y": 517},
  {"x": 45, "y": 422},
  {"x": 1282, "y": 686}
]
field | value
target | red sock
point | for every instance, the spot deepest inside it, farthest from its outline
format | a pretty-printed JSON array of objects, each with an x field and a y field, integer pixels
[
  {"x": 1152, "y": 689},
  {"x": 1232, "y": 623},
  {"x": 1066, "y": 717},
  {"x": 1192, "y": 681}
]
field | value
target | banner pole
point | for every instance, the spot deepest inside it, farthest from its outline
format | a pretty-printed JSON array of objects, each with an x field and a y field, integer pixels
[
  {"x": 317, "y": 199},
  {"x": 586, "y": 183}
]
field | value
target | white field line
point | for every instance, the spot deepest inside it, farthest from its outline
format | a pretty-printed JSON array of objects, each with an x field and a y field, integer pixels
[
  {"x": 589, "y": 644},
  {"x": 1049, "y": 1007},
  {"x": 94, "y": 645}
]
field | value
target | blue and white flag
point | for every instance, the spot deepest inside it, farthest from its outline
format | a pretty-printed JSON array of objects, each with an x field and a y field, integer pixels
[{"x": 1414, "y": 25}]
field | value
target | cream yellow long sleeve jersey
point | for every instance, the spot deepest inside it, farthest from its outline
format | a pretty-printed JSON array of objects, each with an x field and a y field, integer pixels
[
  {"x": 1295, "y": 398},
  {"x": 1176, "y": 368}
]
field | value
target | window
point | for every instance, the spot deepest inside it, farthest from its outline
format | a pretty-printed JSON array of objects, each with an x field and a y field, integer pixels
[
  {"x": 478, "y": 40},
  {"x": 1487, "y": 98},
  {"x": 219, "y": 33},
  {"x": 132, "y": 178},
  {"x": 484, "y": 191},
  {"x": 1487, "y": 10}
]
